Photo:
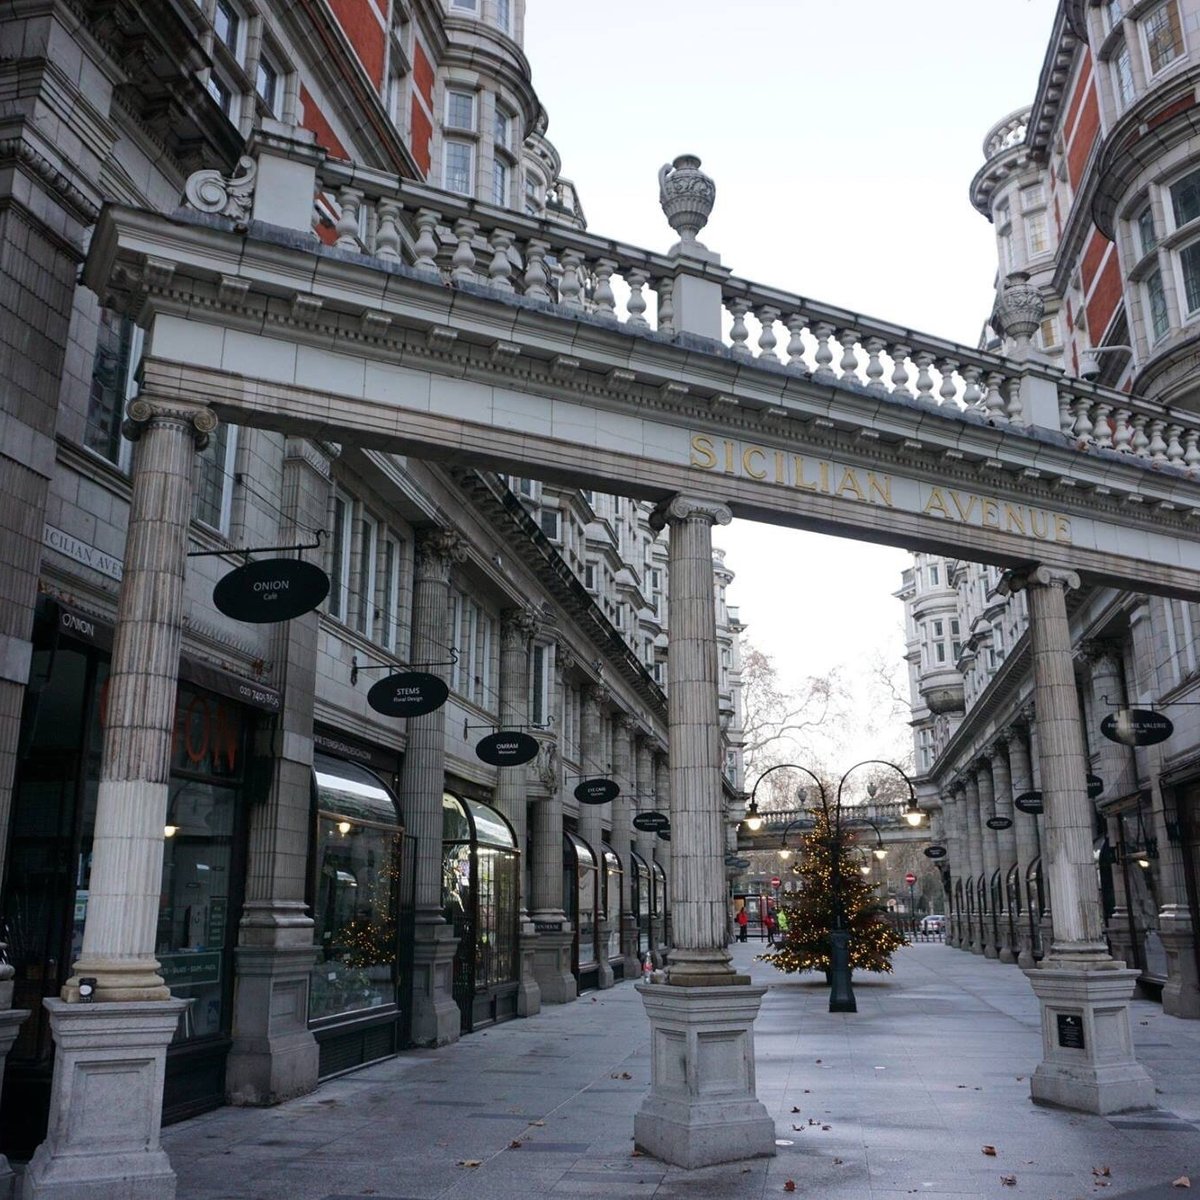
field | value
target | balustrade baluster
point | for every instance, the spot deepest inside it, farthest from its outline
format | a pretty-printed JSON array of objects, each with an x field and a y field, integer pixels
[
  {"x": 602, "y": 296},
  {"x": 1191, "y": 453},
  {"x": 349, "y": 200},
  {"x": 1174, "y": 445},
  {"x": 1102, "y": 433},
  {"x": 1140, "y": 440},
  {"x": 795, "y": 347},
  {"x": 767, "y": 316},
  {"x": 1066, "y": 422},
  {"x": 536, "y": 276},
  {"x": 993, "y": 401},
  {"x": 1081, "y": 429},
  {"x": 875, "y": 347},
  {"x": 425, "y": 248},
  {"x": 387, "y": 235},
  {"x": 924, "y": 361},
  {"x": 900, "y": 355},
  {"x": 1157, "y": 448},
  {"x": 738, "y": 333},
  {"x": 500, "y": 268},
  {"x": 462, "y": 264},
  {"x": 972, "y": 392},
  {"x": 569, "y": 284},
  {"x": 1012, "y": 389},
  {"x": 636, "y": 278},
  {"x": 948, "y": 392},
  {"x": 1123, "y": 432},
  {"x": 849, "y": 360},
  {"x": 824, "y": 356},
  {"x": 666, "y": 304}
]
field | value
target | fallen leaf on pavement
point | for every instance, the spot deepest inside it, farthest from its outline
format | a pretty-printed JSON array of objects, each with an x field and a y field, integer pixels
[
  {"x": 1182, "y": 1181},
  {"x": 837, "y": 1162},
  {"x": 470, "y": 1162},
  {"x": 990, "y": 1151},
  {"x": 826, "y": 1126},
  {"x": 537, "y": 1122},
  {"x": 636, "y": 1154},
  {"x": 794, "y": 1108},
  {"x": 797, "y": 1128},
  {"x": 515, "y": 1144},
  {"x": 1105, "y": 1172},
  {"x": 789, "y": 1185}
]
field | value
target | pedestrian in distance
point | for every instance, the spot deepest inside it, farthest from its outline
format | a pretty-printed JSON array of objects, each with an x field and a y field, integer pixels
[
  {"x": 743, "y": 921},
  {"x": 781, "y": 925},
  {"x": 769, "y": 928}
]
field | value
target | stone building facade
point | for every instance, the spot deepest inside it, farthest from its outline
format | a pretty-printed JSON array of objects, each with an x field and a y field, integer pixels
[
  {"x": 307, "y": 920},
  {"x": 1092, "y": 191}
]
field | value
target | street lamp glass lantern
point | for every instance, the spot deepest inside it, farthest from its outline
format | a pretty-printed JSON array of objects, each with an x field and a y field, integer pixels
[{"x": 913, "y": 815}]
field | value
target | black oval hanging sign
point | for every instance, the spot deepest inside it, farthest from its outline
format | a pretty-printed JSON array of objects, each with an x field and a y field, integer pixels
[
  {"x": 1137, "y": 727},
  {"x": 1095, "y": 785},
  {"x": 651, "y": 822},
  {"x": 665, "y": 834},
  {"x": 935, "y": 851},
  {"x": 408, "y": 694},
  {"x": 509, "y": 748},
  {"x": 272, "y": 589},
  {"x": 597, "y": 791},
  {"x": 999, "y": 822},
  {"x": 1029, "y": 802}
]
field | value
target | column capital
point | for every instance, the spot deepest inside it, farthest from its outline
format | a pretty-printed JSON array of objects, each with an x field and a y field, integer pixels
[
  {"x": 519, "y": 626},
  {"x": 565, "y": 659},
  {"x": 144, "y": 411},
  {"x": 624, "y": 722},
  {"x": 596, "y": 693},
  {"x": 689, "y": 508},
  {"x": 1096, "y": 651},
  {"x": 1039, "y": 576},
  {"x": 437, "y": 550}
]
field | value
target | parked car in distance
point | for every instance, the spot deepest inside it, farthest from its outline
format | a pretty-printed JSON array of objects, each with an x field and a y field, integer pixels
[{"x": 934, "y": 923}]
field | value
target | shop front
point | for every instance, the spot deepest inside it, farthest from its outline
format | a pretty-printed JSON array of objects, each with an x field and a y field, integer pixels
[
  {"x": 642, "y": 900},
  {"x": 480, "y": 874},
  {"x": 362, "y": 883},
  {"x": 582, "y": 894},
  {"x": 49, "y": 859},
  {"x": 658, "y": 921},
  {"x": 613, "y": 892}
]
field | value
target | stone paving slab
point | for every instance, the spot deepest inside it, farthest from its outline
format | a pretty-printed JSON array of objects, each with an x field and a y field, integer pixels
[{"x": 902, "y": 1097}]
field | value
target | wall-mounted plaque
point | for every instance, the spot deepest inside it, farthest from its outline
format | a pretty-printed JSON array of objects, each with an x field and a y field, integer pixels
[
  {"x": 1029, "y": 802},
  {"x": 999, "y": 822},
  {"x": 272, "y": 589},
  {"x": 509, "y": 748},
  {"x": 1137, "y": 727},
  {"x": 408, "y": 694},
  {"x": 597, "y": 791},
  {"x": 1070, "y": 1031},
  {"x": 651, "y": 822}
]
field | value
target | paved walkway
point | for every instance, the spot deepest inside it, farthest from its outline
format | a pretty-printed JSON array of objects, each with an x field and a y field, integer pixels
[{"x": 896, "y": 1100}]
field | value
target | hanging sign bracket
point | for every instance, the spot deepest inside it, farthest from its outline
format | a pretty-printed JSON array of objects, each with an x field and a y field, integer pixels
[
  {"x": 356, "y": 668},
  {"x": 249, "y": 550}
]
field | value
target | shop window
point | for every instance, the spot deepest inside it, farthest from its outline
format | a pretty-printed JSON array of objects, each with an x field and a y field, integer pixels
[
  {"x": 612, "y": 901},
  {"x": 118, "y": 349},
  {"x": 213, "y": 501},
  {"x": 459, "y": 172},
  {"x": 642, "y": 901},
  {"x": 1164, "y": 36},
  {"x": 356, "y": 892},
  {"x": 578, "y": 854}
]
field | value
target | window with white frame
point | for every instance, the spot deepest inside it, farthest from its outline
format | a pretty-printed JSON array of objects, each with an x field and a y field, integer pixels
[
  {"x": 1157, "y": 317},
  {"x": 935, "y": 575},
  {"x": 465, "y": 5},
  {"x": 550, "y": 523},
  {"x": 1185, "y": 199},
  {"x": 1163, "y": 33},
  {"x": 501, "y": 175},
  {"x": 229, "y": 26},
  {"x": 504, "y": 129},
  {"x": 213, "y": 499},
  {"x": 539, "y": 686},
  {"x": 1189, "y": 272},
  {"x": 1037, "y": 237},
  {"x": 267, "y": 84},
  {"x": 368, "y": 545},
  {"x": 1048, "y": 333},
  {"x": 460, "y": 110},
  {"x": 535, "y": 196},
  {"x": 504, "y": 15},
  {"x": 1112, "y": 12},
  {"x": 222, "y": 93},
  {"x": 389, "y": 593},
  {"x": 459, "y": 170},
  {"x": 1147, "y": 238},
  {"x": 340, "y": 544},
  {"x": 1032, "y": 197},
  {"x": 589, "y": 576},
  {"x": 1122, "y": 74}
]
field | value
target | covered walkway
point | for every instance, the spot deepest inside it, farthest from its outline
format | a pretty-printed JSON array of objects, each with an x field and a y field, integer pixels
[{"x": 896, "y": 1100}]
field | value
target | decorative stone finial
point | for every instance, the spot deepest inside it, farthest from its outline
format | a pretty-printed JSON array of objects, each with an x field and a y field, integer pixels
[
  {"x": 1019, "y": 311},
  {"x": 687, "y": 196}
]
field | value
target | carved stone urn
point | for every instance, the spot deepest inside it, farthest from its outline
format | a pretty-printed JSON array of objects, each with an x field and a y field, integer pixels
[
  {"x": 1019, "y": 309},
  {"x": 687, "y": 196}
]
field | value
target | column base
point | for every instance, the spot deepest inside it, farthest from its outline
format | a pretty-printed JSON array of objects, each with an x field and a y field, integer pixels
[
  {"x": 552, "y": 963},
  {"x": 629, "y": 948},
  {"x": 274, "y": 1055},
  {"x": 436, "y": 1019},
  {"x": 1088, "y": 1063},
  {"x": 1181, "y": 992},
  {"x": 529, "y": 995},
  {"x": 605, "y": 977},
  {"x": 11, "y": 1020},
  {"x": 106, "y": 1104},
  {"x": 702, "y": 1108}
]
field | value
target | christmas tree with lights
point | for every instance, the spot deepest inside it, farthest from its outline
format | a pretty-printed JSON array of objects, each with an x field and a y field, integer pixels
[{"x": 810, "y": 910}]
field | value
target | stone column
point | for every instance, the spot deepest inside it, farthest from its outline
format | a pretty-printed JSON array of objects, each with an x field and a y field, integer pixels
[
  {"x": 662, "y": 849},
  {"x": 1026, "y": 832},
  {"x": 274, "y": 1055},
  {"x": 991, "y": 859},
  {"x": 622, "y": 839},
  {"x": 552, "y": 953},
  {"x": 645, "y": 840},
  {"x": 1006, "y": 845},
  {"x": 975, "y": 924},
  {"x": 955, "y": 848},
  {"x": 436, "y": 1016},
  {"x": 1088, "y": 1061},
  {"x": 111, "y": 1053},
  {"x": 593, "y": 762},
  {"x": 517, "y": 629},
  {"x": 702, "y": 1106}
]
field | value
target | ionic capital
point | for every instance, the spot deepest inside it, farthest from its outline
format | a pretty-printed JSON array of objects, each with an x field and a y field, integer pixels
[
  {"x": 143, "y": 412},
  {"x": 689, "y": 508},
  {"x": 1040, "y": 576}
]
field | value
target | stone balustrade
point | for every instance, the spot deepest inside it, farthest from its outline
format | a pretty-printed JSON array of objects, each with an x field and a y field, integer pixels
[{"x": 1101, "y": 419}]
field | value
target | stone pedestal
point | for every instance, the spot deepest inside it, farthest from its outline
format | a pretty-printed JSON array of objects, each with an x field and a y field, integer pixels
[
  {"x": 275, "y": 1055},
  {"x": 552, "y": 962},
  {"x": 11, "y": 1020},
  {"x": 701, "y": 1108},
  {"x": 629, "y": 947},
  {"x": 1087, "y": 1045},
  {"x": 106, "y": 1103},
  {"x": 529, "y": 995},
  {"x": 436, "y": 1019},
  {"x": 1181, "y": 993},
  {"x": 606, "y": 978}
]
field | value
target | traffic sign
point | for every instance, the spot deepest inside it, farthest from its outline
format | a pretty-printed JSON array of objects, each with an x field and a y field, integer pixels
[
  {"x": 775, "y": 881},
  {"x": 910, "y": 878}
]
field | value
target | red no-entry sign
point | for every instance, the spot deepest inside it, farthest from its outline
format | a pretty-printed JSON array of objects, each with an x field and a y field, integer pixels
[
  {"x": 775, "y": 881},
  {"x": 910, "y": 878}
]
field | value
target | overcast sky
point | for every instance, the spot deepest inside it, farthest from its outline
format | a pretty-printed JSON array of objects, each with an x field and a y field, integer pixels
[{"x": 842, "y": 138}]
